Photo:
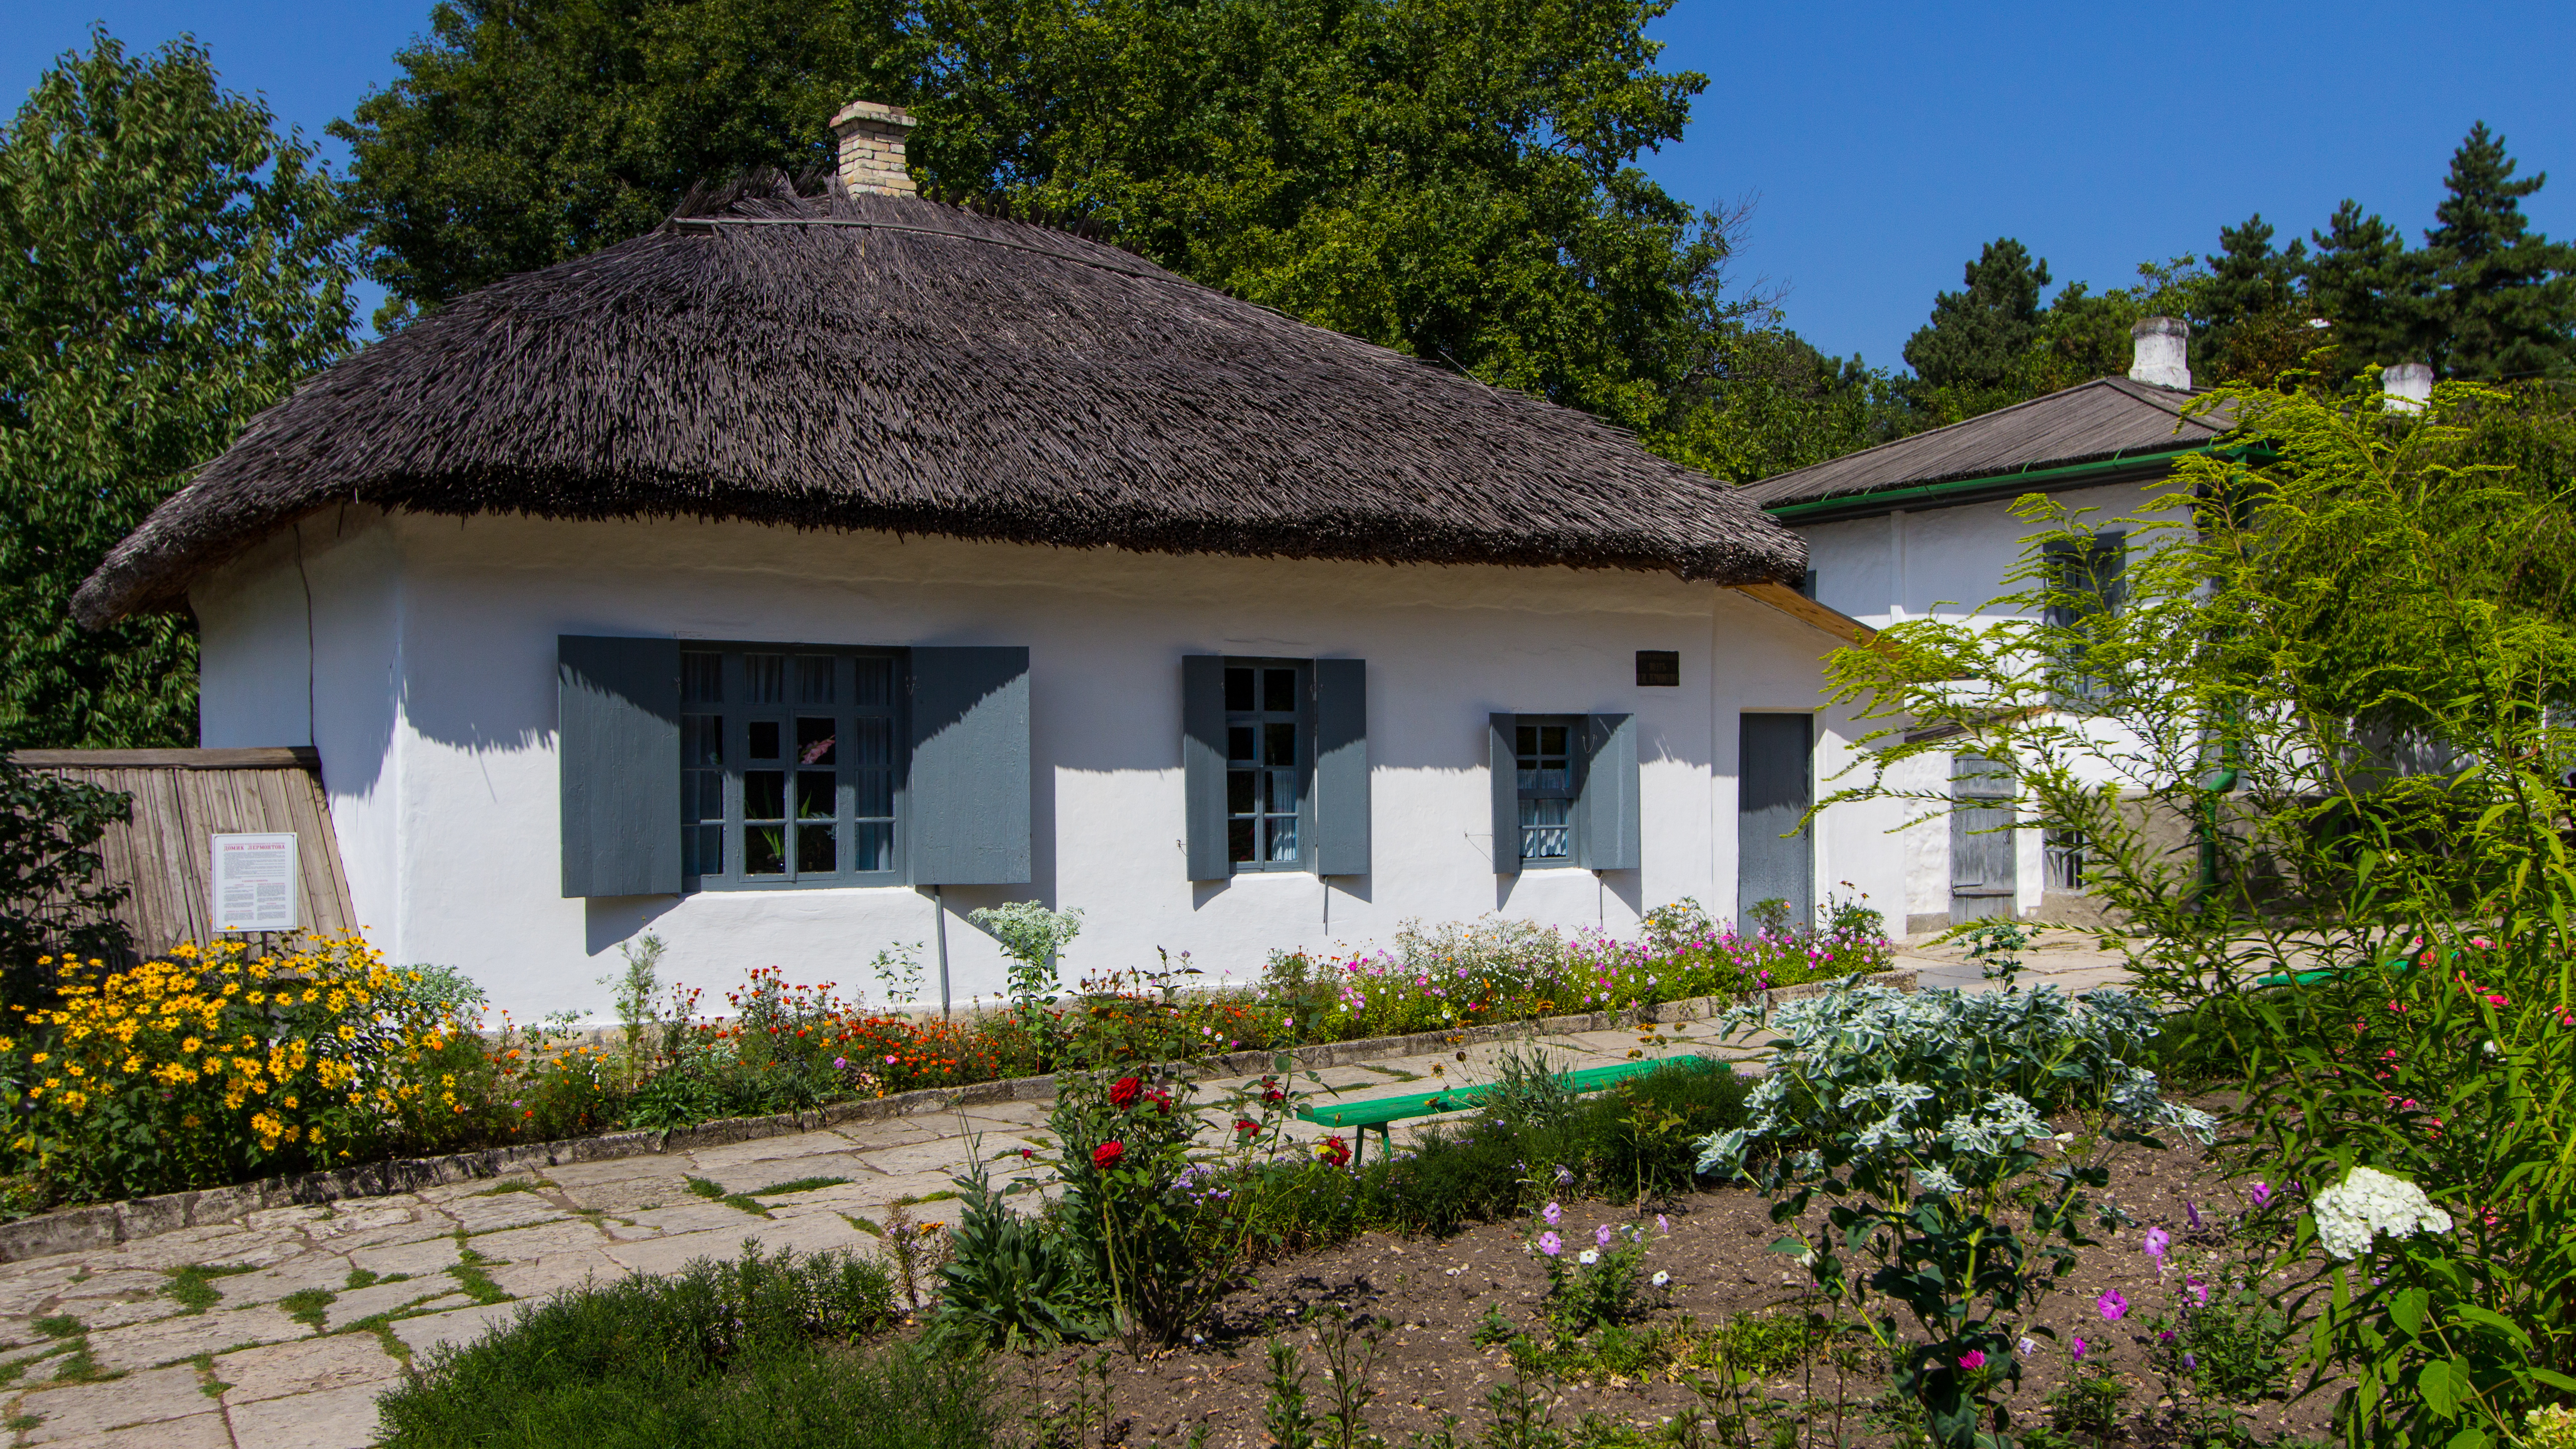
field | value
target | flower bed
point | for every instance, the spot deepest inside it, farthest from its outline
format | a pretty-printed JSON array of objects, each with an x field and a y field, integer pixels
[{"x": 212, "y": 1068}]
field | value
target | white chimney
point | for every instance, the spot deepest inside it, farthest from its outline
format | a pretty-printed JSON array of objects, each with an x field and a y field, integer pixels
[
  {"x": 2160, "y": 358},
  {"x": 2407, "y": 387},
  {"x": 871, "y": 137}
]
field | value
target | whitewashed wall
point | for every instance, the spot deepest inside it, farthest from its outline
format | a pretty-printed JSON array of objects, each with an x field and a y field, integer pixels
[
  {"x": 432, "y": 680},
  {"x": 1950, "y": 563}
]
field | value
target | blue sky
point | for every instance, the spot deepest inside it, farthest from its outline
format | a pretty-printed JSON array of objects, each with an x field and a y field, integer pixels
[{"x": 1883, "y": 143}]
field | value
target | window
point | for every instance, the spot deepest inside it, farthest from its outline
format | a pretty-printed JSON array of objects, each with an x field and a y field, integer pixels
[
  {"x": 2062, "y": 855},
  {"x": 1269, "y": 748},
  {"x": 1659, "y": 667},
  {"x": 788, "y": 763},
  {"x": 2087, "y": 577},
  {"x": 1546, "y": 749}
]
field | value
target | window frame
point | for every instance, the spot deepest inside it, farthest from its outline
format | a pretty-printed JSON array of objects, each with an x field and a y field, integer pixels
[
  {"x": 2097, "y": 569},
  {"x": 1302, "y": 718},
  {"x": 846, "y": 709},
  {"x": 1578, "y": 755}
]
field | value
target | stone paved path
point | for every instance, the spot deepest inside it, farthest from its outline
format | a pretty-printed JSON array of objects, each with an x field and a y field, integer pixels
[{"x": 320, "y": 1308}]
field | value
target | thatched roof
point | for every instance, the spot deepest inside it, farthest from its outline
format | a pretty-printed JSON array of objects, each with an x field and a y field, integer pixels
[
  {"x": 2106, "y": 420},
  {"x": 893, "y": 363}
]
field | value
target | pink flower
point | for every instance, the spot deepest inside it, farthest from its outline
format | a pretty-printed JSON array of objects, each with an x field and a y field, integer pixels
[
  {"x": 2199, "y": 1293},
  {"x": 2158, "y": 1243},
  {"x": 2260, "y": 1193},
  {"x": 1552, "y": 1213},
  {"x": 2080, "y": 1347},
  {"x": 1974, "y": 1358},
  {"x": 1550, "y": 1244},
  {"x": 2113, "y": 1305}
]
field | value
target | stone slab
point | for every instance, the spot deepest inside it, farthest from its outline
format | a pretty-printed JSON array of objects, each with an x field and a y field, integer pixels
[
  {"x": 304, "y": 1368},
  {"x": 342, "y": 1418},
  {"x": 171, "y": 1339},
  {"x": 150, "y": 1397},
  {"x": 433, "y": 1255},
  {"x": 454, "y": 1329},
  {"x": 357, "y": 1303},
  {"x": 197, "y": 1431}
]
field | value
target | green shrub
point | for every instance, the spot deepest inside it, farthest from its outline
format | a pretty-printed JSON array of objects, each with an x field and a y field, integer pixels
[{"x": 754, "y": 1352}]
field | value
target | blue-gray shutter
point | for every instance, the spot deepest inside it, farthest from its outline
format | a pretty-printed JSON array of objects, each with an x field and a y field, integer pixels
[
  {"x": 1605, "y": 811},
  {"x": 1507, "y": 794},
  {"x": 1203, "y": 765},
  {"x": 1341, "y": 767},
  {"x": 617, "y": 757},
  {"x": 966, "y": 803}
]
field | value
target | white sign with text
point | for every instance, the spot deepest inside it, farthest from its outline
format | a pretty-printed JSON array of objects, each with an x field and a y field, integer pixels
[{"x": 254, "y": 880}]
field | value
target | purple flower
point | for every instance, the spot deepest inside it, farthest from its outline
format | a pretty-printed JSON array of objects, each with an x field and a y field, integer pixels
[
  {"x": 2114, "y": 1307},
  {"x": 1551, "y": 1212},
  {"x": 2158, "y": 1243},
  {"x": 2191, "y": 1210},
  {"x": 1974, "y": 1358},
  {"x": 2260, "y": 1193},
  {"x": 2080, "y": 1347},
  {"x": 840, "y": 1064},
  {"x": 2199, "y": 1293},
  {"x": 2190, "y": 1361},
  {"x": 1550, "y": 1244},
  {"x": 1601, "y": 1235},
  {"x": 1663, "y": 1224}
]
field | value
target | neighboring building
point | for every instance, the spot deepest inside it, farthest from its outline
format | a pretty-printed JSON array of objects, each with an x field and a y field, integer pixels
[
  {"x": 1923, "y": 527},
  {"x": 801, "y": 575}
]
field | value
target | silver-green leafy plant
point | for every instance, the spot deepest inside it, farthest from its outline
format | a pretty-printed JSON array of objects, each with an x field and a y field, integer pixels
[
  {"x": 1920, "y": 1119},
  {"x": 2320, "y": 768},
  {"x": 1032, "y": 936}
]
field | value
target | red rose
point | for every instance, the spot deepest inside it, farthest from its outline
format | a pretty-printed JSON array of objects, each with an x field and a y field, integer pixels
[
  {"x": 1106, "y": 1155},
  {"x": 1274, "y": 1096},
  {"x": 1124, "y": 1091},
  {"x": 1246, "y": 1126},
  {"x": 1335, "y": 1152}
]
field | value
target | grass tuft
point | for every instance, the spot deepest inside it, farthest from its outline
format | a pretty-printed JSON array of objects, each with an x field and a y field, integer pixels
[
  {"x": 58, "y": 1325},
  {"x": 193, "y": 1285},
  {"x": 802, "y": 1184},
  {"x": 308, "y": 1306}
]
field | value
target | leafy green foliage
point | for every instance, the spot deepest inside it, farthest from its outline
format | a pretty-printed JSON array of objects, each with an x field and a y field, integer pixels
[
  {"x": 1912, "y": 1116},
  {"x": 1008, "y": 1280},
  {"x": 50, "y": 900},
  {"x": 2506, "y": 295},
  {"x": 2343, "y": 683},
  {"x": 762, "y": 1351},
  {"x": 169, "y": 266},
  {"x": 521, "y": 135},
  {"x": 1977, "y": 334}
]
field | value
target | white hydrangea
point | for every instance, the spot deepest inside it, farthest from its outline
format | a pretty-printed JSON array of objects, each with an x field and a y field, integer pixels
[{"x": 2369, "y": 1202}]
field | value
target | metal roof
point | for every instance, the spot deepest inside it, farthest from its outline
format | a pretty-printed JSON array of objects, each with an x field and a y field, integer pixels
[{"x": 2104, "y": 420}]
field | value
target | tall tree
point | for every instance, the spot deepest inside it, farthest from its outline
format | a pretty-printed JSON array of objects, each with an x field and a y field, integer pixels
[
  {"x": 525, "y": 132},
  {"x": 1977, "y": 334},
  {"x": 2252, "y": 322},
  {"x": 2362, "y": 279},
  {"x": 1452, "y": 178},
  {"x": 169, "y": 266},
  {"x": 2507, "y": 301}
]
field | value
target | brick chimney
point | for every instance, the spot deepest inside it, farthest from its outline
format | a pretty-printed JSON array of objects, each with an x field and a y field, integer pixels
[
  {"x": 2408, "y": 385},
  {"x": 871, "y": 137},
  {"x": 2159, "y": 357}
]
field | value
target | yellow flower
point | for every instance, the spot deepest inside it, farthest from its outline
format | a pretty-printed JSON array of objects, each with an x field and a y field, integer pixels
[
  {"x": 40, "y": 1058},
  {"x": 348, "y": 1032},
  {"x": 291, "y": 1104},
  {"x": 257, "y": 998},
  {"x": 191, "y": 1044}
]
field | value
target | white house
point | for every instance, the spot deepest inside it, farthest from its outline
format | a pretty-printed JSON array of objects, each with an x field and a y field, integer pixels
[
  {"x": 1923, "y": 527},
  {"x": 812, "y": 570}
]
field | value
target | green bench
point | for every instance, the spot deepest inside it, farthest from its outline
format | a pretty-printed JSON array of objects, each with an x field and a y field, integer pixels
[{"x": 1380, "y": 1114}]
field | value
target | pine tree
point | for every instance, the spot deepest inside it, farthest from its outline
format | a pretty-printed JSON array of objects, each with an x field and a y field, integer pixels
[
  {"x": 2506, "y": 301},
  {"x": 169, "y": 266},
  {"x": 1976, "y": 335},
  {"x": 2362, "y": 279},
  {"x": 2253, "y": 319}
]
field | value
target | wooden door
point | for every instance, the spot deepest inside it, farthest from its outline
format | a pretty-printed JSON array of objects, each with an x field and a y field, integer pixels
[{"x": 1982, "y": 840}]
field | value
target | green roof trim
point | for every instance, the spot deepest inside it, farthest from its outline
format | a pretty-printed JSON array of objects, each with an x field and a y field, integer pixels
[{"x": 1967, "y": 490}]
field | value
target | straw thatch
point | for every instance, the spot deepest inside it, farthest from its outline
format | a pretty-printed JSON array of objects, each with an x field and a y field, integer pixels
[{"x": 895, "y": 363}]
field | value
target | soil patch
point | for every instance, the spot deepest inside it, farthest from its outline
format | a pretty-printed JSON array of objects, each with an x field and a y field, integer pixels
[{"x": 1427, "y": 1298}]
